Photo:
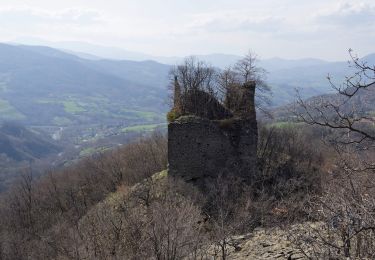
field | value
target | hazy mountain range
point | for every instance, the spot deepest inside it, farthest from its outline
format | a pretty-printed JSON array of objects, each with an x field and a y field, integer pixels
[
  {"x": 86, "y": 101},
  {"x": 46, "y": 86}
]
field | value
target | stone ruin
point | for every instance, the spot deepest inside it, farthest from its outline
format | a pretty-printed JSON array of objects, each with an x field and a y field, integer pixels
[{"x": 208, "y": 137}]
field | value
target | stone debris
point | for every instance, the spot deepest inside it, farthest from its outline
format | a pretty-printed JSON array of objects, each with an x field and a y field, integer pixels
[{"x": 265, "y": 244}]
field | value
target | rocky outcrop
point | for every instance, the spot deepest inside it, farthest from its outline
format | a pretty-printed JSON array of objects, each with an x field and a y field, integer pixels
[{"x": 267, "y": 244}]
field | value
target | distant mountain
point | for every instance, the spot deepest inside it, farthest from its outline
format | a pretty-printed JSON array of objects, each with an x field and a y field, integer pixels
[
  {"x": 147, "y": 73},
  {"x": 88, "y": 50},
  {"x": 363, "y": 102},
  {"x": 44, "y": 86},
  {"x": 275, "y": 64},
  {"x": 220, "y": 60},
  {"x": 309, "y": 76},
  {"x": 19, "y": 144},
  {"x": 83, "y": 87},
  {"x": 96, "y": 52},
  {"x": 370, "y": 59},
  {"x": 310, "y": 80}
]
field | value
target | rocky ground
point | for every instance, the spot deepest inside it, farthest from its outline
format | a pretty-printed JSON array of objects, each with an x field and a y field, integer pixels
[{"x": 265, "y": 244}]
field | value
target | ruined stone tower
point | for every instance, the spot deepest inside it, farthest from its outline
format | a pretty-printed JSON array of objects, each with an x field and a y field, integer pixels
[{"x": 210, "y": 138}]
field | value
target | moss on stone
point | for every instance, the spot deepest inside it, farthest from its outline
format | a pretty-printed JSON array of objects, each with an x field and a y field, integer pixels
[
  {"x": 160, "y": 175},
  {"x": 188, "y": 119},
  {"x": 173, "y": 115}
]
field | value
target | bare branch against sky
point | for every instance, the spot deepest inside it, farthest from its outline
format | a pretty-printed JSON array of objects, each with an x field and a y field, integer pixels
[{"x": 286, "y": 28}]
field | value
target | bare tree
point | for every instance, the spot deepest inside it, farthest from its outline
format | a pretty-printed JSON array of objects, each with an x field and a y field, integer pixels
[
  {"x": 175, "y": 228},
  {"x": 41, "y": 217},
  {"x": 344, "y": 113},
  {"x": 196, "y": 84},
  {"x": 228, "y": 208},
  {"x": 196, "y": 91},
  {"x": 346, "y": 206},
  {"x": 246, "y": 70},
  {"x": 193, "y": 74}
]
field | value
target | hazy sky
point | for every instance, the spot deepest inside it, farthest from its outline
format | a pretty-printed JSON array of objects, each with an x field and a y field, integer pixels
[{"x": 283, "y": 28}]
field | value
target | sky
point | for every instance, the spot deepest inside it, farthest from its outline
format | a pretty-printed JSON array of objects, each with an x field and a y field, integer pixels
[{"x": 271, "y": 28}]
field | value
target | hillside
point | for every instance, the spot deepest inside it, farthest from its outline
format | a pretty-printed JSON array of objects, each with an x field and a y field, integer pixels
[
  {"x": 19, "y": 144},
  {"x": 76, "y": 100},
  {"x": 43, "y": 86},
  {"x": 284, "y": 75},
  {"x": 21, "y": 148},
  {"x": 363, "y": 103},
  {"x": 86, "y": 106},
  {"x": 63, "y": 88}
]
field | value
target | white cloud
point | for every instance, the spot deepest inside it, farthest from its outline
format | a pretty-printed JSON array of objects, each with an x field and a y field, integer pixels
[
  {"x": 32, "y": 16},
  {"x": 348, "y": 14},
  {"x": 289, "y": 28},
  {"x": 235, "y": 21}
]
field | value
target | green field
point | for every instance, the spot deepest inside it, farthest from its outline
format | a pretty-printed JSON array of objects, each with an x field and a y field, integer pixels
[
  {"x": 61, "y": 121},
  {"x": 8, "y": 112},
  {"x": 73, "y": 107},
  {"x": 138, "y": 114},
  {"x": 142, "y": 128},
  {"x": 91, "y": 150},
  {"x": 102, "y": 107},
  {"x": 70, "y": 106}
]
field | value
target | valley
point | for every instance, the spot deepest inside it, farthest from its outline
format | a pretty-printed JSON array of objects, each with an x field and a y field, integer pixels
[
  {"x": 192, "y": 130},
  {"x": 86, "y": 106}
]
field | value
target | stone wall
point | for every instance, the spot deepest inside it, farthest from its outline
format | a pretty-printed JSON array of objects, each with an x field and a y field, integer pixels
[
  {"x": 202, "y": 145},
  {"x": 199, "y": 149}
]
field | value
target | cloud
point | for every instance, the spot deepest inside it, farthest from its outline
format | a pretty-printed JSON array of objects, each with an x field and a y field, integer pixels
[
  {"x": 293, "y": 28},
  {"x": 235, "y": 21},
  {"x": 345, "y": 14},
  {"x": 33, "y": 17}
]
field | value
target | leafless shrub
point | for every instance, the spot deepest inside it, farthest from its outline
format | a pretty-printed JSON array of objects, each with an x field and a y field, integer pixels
[
  {"x": 228, "y": 210},
  {"x": 169, "y": 226},
  {"x": 40, "y": 216},
  {"x": 346, "y": 219},
  {"x": 290, "y": 172},
  {"x": 346, "y": 207},
  {"x": 199, "y": 83}
]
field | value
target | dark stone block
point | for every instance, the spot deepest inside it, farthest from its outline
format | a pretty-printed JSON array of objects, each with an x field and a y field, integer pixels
[
  {"x": 199, "y": 148},
  {"x": 212, "y": 138}
]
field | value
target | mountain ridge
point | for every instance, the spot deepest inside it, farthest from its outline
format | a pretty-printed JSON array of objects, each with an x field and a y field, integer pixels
[
  {"x": 20, "y": 144},
  {"x": 67, "y": 84}
]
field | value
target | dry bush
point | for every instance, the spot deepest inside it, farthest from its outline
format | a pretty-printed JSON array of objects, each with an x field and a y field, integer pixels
[
  {"x": 290, "y": 171},
  {"x": 278, "y": 194},
  {"x": 228, "y": 208},
  {"x": 346, "y": 226},
  {"x": 39, "y": 217},
  {"x": 207, "y": 92},
  {"x": 168, "y": 227},
  {"x": 346, "y": 207}
]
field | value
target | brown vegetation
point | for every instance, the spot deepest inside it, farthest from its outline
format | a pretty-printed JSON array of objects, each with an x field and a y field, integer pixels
[
  {"x": 346, "y": 207},
  {"x": 113, "y": 205},
  {"x": 201, "y": 90},
  {"x": 40, "y": 217}
]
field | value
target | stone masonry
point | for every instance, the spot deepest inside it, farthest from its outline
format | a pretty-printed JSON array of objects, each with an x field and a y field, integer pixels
[{"x": 200, "y": 148}]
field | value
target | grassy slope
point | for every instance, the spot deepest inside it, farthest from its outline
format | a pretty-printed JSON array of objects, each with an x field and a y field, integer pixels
[
  {"x": 8, "y": 112},
  {"x": 143, "y": 128}
]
